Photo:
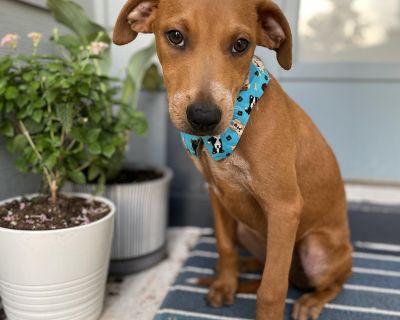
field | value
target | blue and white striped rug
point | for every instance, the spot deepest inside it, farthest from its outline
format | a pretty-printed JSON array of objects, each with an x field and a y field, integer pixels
[{"x": 372, "y": 293}]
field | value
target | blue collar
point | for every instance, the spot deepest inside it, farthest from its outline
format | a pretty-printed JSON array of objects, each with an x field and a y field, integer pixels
[{"x": 223, "y": 145}]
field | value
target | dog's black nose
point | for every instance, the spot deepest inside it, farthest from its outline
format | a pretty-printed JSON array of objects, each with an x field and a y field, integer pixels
[{"x": 203, "y": 117}]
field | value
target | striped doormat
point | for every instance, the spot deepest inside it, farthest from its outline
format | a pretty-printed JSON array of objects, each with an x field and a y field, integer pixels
[{"x": 372, "y": 293}]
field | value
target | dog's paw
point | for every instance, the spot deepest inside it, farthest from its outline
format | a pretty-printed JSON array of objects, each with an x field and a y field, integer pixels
[
  {"x": 221, "y": 293},
  {"x": 307, "y": 307}
]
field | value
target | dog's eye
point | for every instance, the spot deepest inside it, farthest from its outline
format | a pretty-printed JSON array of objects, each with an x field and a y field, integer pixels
[
  {"x": 176, "y": 38},
  {"x": 240, "y": 46}
]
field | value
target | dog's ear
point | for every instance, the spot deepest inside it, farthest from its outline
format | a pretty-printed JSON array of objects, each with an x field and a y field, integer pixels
[
  {"x": 274, "y": 32},
  {"x": 136, "y": 16}
]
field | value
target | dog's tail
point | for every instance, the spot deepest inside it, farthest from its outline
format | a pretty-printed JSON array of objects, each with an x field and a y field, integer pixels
[{"x": 243, "y": 287}]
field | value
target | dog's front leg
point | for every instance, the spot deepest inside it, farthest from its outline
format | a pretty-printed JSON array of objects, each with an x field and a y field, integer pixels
[
  {"x": 283, "y": 220},
  {"x": 222, "y": 290}
]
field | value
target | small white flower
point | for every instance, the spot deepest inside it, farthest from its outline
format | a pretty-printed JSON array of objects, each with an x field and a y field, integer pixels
[{"x": 97, "y": 48}]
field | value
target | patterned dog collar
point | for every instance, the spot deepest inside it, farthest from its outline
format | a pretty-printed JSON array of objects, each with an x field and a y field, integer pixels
[{"x": 223, "y": 145}]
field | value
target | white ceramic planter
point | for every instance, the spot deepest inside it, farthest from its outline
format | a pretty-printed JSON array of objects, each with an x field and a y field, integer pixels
[
  {"x": 56, "y": 274},
  {"x": 140, "y": 222}
]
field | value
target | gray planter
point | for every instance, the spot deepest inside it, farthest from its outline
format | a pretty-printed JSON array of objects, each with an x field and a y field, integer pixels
[{"x": 140, "y": 223}]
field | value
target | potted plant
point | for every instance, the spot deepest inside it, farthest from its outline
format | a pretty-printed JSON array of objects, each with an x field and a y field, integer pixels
[
  {"x": 139, "y": 192},
  {"x": 56, "y": 113}
]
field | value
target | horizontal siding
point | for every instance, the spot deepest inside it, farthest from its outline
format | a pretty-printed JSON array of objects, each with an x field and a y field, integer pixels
[{"x": 13, "y": 183}]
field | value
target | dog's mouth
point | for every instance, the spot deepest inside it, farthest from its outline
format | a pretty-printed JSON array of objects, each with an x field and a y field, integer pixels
[
  {"x": 222, "y": 126},
  {"x": 189, "y": 130}
]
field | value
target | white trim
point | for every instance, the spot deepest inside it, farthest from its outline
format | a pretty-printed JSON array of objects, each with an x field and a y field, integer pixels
[
  {"x": 377, "y": 246},
  {"x": 375, "y": 194}
]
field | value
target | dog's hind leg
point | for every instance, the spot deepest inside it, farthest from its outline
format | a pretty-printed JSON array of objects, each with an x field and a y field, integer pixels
[{"x": 325, "y": 266}]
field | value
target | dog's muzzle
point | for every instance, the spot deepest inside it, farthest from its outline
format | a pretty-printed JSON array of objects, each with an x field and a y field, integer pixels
[{"x": 203, "y": 117}]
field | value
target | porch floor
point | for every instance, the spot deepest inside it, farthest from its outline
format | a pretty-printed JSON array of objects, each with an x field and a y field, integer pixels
[{"x": 139, "y": 296}]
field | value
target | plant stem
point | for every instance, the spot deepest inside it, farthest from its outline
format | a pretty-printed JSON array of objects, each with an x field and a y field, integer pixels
[
  {"x": 62, "y": 137},
  {"x": 103, "y": 89},
  {"x": 50, "y": 181},
  {"x": 85, "y": 165},
  {"x": 71, "y": 145}
]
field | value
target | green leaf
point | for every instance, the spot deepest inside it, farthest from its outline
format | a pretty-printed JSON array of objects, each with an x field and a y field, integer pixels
[
  {"x": 84, "y": 89},
  {"x": 89, "y": 69},
  {"x": 5, "y": 63},
  {"x": 92, "y": 135},
  {"x": 38, "y": 104},
  {"x": 69, "y": 42},
  {"x": 27, "y": 76},
  {"x": 51, "y": 160},
  {"x": 33, "y": 127},
  {"x": 77, "y": 177},
  {"x": 152, "y": 80},
  {"x": 73, "y": 17},
  {"x": 22, "y": 101},
  {"x": 65, "y": 114},
  {"x": 43, "y": 143},
  {"x": 22, "y": 165},
  {"x": 37, "y": 116},
  {"x": 11, "y": 93},
  {"x": 3, "y": 83},
  {"x": 94, "y": 172},
  {"x": 77, "y": 134},
  {"x": 18, "y": 144},
  {"x": 25, "y": 112},
  {"x": 7, "y": 129},
  {"x": 101, "y": 183},
  {"x": 138, "y": 65},
  {"x": 139, "y": 123},
  {"x": 95, "y": 115},
  {"x": 108, "y": 150},
  {"x": 9, "y": 106},
  {"x": 94, "y": 148},
  {"x": 51, "y": 96}
]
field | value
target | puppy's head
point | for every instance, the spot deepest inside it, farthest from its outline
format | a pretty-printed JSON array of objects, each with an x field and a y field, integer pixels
[{"x": 205, "y": 48}]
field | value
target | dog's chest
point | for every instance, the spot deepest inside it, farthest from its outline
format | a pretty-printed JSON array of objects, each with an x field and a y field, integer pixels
[{"x": 230, "y": 173}]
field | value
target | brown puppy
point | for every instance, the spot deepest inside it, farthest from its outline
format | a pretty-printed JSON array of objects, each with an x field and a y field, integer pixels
[{"x": 282, "y": 183}]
